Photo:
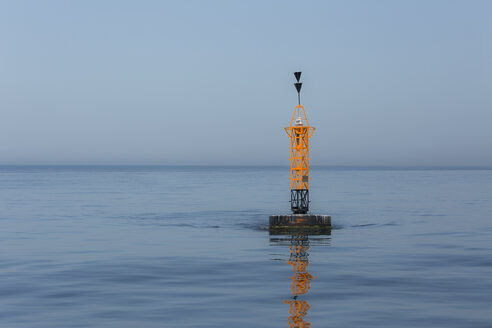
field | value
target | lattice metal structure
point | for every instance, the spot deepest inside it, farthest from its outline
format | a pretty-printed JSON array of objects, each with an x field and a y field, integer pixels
[{"x": 299, "y": 132}]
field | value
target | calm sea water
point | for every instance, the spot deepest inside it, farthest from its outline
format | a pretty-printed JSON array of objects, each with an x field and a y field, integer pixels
[{"x": 188, "y": 247}]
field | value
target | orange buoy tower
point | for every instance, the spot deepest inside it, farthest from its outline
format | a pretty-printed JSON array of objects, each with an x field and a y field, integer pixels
[{"x": 299, "y": 132}]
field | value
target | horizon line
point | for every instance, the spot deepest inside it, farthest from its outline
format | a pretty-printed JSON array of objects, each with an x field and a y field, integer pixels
[{"x": 374, "y": 167}]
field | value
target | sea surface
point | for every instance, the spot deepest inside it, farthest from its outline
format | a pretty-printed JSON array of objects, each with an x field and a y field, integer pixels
[{"x": 190, "y": 247}]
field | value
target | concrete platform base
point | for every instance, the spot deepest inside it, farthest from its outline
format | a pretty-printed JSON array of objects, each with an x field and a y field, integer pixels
[{"x": 290, "y": 222}]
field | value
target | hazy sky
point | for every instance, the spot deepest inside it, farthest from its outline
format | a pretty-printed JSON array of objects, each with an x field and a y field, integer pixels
[{"x": 210, "y": 82}]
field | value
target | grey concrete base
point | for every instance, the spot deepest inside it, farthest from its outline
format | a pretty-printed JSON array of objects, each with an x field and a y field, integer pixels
[
  {"x": 300, "y": 224},
  {"x": 300, "y": 220}
]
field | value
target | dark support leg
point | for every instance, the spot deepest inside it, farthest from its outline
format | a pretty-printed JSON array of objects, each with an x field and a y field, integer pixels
[{"x": 299, "y": 201}]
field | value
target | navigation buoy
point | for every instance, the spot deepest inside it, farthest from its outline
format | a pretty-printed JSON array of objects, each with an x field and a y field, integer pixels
[{"x": 299, "y": 132}]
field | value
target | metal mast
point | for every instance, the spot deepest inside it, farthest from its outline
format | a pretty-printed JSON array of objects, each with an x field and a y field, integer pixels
[{"x": 299, "y": 132}]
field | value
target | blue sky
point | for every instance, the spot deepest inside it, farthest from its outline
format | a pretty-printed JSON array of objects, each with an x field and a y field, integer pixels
[{"x": 210, "y": 82}]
